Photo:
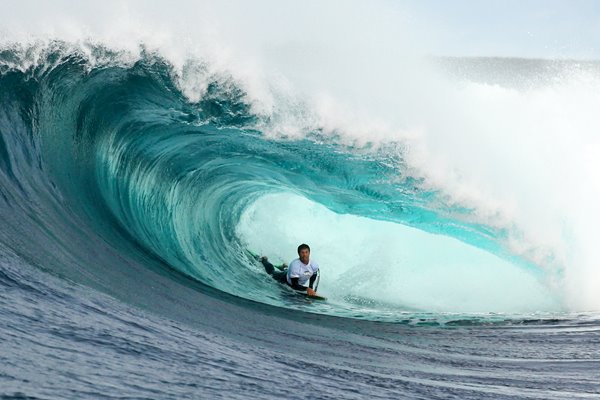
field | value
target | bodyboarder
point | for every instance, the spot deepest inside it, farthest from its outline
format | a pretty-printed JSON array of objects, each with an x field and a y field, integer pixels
[{"x": 300, "y": 275}]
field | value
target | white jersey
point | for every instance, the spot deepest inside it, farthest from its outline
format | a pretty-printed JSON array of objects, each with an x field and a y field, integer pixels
[{"x": 297, "y": 269}]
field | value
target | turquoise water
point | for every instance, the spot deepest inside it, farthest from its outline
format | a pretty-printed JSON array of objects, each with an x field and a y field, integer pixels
[{"x": 194, "y": 184}]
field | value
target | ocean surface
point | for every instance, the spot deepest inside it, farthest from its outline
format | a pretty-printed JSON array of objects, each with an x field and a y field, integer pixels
[{"x": 456, "y": 231}]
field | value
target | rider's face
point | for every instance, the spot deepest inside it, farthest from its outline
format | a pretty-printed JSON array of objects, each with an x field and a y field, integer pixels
[{"x": 304, "y": 255}]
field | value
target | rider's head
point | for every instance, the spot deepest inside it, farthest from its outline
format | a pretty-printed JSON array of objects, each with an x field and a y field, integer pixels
[{"x": 304, "y": 253}]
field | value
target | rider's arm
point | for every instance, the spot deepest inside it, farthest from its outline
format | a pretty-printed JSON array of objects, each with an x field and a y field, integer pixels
[
  {"x": 313, "y": 278},
  {"x": 295, "y": 285}
]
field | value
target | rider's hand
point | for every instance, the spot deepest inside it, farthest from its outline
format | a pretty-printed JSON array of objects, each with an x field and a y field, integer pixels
[{"x": 310, "y": 292}]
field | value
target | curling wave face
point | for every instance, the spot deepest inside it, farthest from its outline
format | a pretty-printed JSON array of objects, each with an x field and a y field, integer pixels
[{"x": 123, "y": 155}]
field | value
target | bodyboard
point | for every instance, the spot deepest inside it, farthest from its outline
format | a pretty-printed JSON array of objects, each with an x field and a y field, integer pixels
[{"x": 314, "y": 297}]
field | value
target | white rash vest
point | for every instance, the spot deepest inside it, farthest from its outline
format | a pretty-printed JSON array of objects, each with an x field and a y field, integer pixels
[{"x": 297, "y": 269}]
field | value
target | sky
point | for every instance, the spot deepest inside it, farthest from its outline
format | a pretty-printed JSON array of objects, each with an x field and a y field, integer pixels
[
  {"x": 506, "y": 28},
  {"x": 523, "y": 28}
]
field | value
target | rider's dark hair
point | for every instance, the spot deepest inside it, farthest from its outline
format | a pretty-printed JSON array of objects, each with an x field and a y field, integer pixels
[{"x": 303, "y": 246}]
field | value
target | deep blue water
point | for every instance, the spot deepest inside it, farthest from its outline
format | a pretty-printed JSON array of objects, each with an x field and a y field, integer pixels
[{"x": 126, "y": 212}]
